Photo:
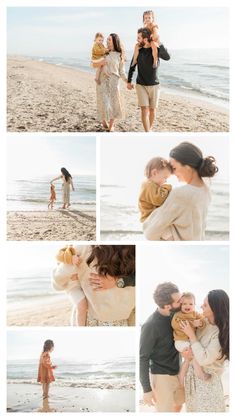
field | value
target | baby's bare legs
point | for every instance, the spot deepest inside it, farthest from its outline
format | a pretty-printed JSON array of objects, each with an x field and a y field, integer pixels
[
  {"x": 98, "y": 75},
  {"x": 154, "y": 54},
  {"x": 183, "y": 371},
  {"x": 199, "y": 371},
  {"x": 100, "y": 67},
  {"x": 136, "y": 53},
  {"x": 81, "y": 312}
]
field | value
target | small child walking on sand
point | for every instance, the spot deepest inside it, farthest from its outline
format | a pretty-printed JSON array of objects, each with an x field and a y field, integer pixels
[
  {"x": 98, "y": 56},
  {"x": 69, "y": 256},
  {"x": 149, "y": 23},
  {"x": 154, "y": 191},
  {"x": 196, "y": 320},
  {"x": 45, "y": 369},
  {"x": 53, "y": 197}
]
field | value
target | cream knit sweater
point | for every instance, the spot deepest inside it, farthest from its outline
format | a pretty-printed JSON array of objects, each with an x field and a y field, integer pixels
[
  {"x": 207, "y": 350},
  {"x": 181, "y": 217}
]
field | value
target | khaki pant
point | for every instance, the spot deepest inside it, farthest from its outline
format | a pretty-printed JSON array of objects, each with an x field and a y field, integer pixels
[{"x": 167, "y": 391}]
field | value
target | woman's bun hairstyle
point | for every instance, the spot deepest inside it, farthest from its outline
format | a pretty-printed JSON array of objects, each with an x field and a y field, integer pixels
[
  {"x": 189, "y": 154},
  {"x": 208, "y": 167}
]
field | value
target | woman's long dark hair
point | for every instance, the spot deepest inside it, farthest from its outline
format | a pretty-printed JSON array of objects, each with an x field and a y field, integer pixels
[
  {"x": 114, "y": 260},
  {"x": 219, "y": 303},
  {"x": 117, "y": 45},
  {"x": 48, "y": 344},
  {"x": 66, "y": 174}
]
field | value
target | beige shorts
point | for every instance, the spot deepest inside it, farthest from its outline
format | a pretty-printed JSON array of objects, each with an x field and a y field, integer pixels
[
  {"x": 168, "y": 392},
  {"x": 148, "y": 95}
]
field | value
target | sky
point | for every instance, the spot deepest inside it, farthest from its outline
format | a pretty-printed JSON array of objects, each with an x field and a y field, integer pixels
[
  {"x": 46, "y": 155},
  {"x": 194, "y": 268},
  {"x": 40, "y": 257},
  {"x": 68, "y": 31},
  {"x": 136, "y": 151},
  {"x": 72, "y": 344}
]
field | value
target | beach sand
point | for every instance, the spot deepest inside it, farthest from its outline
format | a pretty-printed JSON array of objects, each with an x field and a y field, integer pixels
[
  {"x": 57, "y": 313},
  {"x": 50, "y": 98},
  {"x": 51, "y": 225},
  {"x": 28, "y": 398}
]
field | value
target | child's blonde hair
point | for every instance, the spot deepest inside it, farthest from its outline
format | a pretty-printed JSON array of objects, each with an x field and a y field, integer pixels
[
  {"x": 148, "y": 12},
  {"x": 98, "y": 35},
  {"x": 66, "y": 254},
  {"x": 157, "y": 163},
  {"x": 188, "y": 295}
]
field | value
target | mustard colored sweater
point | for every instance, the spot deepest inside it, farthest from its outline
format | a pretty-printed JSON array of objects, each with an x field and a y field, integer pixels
[
  {"x": 180, "y": 316},
  {"x": 98, "y": 51},
  {"x": 151, "y": 197}
]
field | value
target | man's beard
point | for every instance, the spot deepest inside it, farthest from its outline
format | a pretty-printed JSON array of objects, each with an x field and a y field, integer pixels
[{"x": 174, "y": 310}]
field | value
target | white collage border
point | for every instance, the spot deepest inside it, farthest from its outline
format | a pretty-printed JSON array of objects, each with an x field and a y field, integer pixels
[{"x": 3, "y": 140}]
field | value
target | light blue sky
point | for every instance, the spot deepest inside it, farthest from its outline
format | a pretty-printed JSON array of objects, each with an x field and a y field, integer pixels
[
  {"x": 194, "y": 268},
  {"x": 94, "y": 344},
  {"x": 46, "y": 155},
  {"x": 68, "y": 31}
]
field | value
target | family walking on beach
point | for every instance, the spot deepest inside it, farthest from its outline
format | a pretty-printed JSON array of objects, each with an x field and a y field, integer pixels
[
  {"x": 67, "y": 184},
  {"x": 110, "y": 64},
  {"x": 176, "y": 330},
  {"x": 100, "y": 283}
]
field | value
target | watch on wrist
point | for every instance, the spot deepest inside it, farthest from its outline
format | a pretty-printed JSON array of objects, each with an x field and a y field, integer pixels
[{"x": 120, "y": 283}]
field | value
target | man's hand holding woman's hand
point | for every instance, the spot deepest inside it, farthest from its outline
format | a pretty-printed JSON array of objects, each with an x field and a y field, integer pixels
[
  {"x": 130, "y": 86},
  {"x": 149, "y": 398}
]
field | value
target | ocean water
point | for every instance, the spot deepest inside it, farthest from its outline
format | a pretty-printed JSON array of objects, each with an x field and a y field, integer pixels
[
  {"x": 30, "y": 289},
  {"x": 120, "y": 215},
  {"x": 202, "y": 73},
  {"x": 33, "y": 194},
  {"x": 108, "y": 374}
]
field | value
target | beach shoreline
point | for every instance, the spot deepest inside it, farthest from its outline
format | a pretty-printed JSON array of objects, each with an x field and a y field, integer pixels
[
  {"x": 27, "y": 398},
  {"x": 139, "y": 236},
  {"x": 51, "y": 225},
  {"x": 51, "y": 98}
]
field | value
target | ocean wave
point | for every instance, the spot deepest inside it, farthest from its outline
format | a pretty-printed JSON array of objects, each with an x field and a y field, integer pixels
[
  {"x": 45, "y": 201},
  {"x": 129, "y": 385},
  {"x": 122, "y": 232},
  {"x": 216, "y": 66}
]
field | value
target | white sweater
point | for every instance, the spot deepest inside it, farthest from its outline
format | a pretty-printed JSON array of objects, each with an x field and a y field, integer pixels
[{"x": 181, "y": 217}]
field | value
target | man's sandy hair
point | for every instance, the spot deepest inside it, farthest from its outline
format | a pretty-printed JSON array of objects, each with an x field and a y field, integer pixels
[
  {"x": 157, "y": 163},
  {"x": 163, "y": 294}
]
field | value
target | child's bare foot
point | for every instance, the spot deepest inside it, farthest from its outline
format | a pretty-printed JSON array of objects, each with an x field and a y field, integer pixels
[
  {"x": 97, "y": 81},
  {"x": 105, "y": 124}
]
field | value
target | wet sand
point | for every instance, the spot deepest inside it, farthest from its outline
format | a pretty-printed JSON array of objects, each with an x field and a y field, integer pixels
[{"x": 27, "y": 398}]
